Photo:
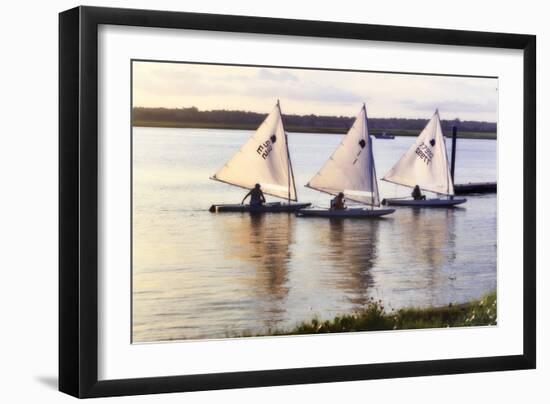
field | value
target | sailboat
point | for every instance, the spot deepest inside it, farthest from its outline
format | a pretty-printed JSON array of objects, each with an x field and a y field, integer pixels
[
  {"x": 425, "y": 164},
  {"x": 350, "y": 170},
  {"x": 264, "y": 159}
]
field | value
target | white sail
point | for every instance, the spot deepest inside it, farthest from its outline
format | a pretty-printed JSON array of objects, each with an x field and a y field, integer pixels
[
  {"x": 263, "y": 159},
  {"x": 425, "y": 164},
  {"x": 351, "y": 168}
]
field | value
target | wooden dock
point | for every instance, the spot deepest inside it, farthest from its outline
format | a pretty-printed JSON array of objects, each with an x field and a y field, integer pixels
[{"x": 476, "y": 188}]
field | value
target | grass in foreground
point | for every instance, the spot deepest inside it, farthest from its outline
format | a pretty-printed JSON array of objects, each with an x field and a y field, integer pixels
[{"x": 374, "y": 317}]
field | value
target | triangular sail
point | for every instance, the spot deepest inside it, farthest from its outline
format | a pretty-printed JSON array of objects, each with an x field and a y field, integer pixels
[
  {"x": 263, "y": 159},
  {"x": 425, "y": 164},
  {"x": 351, "y": 168}
]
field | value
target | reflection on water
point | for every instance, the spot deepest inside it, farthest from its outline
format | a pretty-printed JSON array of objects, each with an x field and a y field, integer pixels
[
  {"x": 261, "y": 242},
  {"x": 353, "y": 244},
  {"x": 428, "y": 241},
  {"x": 203, "y": 275}
]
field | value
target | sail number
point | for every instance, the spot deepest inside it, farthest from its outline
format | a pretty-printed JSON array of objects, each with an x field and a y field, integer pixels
[
  {"x": 424, "y": 153},
  {"x": 266, "y": 147}
]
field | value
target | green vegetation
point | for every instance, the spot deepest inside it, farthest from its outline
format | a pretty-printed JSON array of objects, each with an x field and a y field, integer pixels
[
  {"x": 200, "y": 125},
  {"x": 289, "y": 128},
  {"x": 374, "y": 317},
  {"x": 460, "y": 134},
  {"x": 222, "y": 119},
  {"x": 231, "y": 126}
]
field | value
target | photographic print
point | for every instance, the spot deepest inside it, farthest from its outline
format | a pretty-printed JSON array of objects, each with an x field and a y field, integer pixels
[{"x": 273, "y": 201}]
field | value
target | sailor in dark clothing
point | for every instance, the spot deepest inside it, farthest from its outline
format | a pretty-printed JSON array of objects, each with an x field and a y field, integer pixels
[
  {"x": 337, "y": 203},
  {"x": 257, "y": 197},
  {"x": 417, "y": 194}
]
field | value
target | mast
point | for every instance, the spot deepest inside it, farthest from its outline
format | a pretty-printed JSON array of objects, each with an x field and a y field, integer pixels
[
  {"x": 453, "y": 159},
  {"x": 373, "y": 170},
  {"x": 290, "y": 172},
  {"x": 370, "y": 150}
]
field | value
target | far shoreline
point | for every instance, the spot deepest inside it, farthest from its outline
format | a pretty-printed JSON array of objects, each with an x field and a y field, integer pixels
[{"x": 316, "y": 130}]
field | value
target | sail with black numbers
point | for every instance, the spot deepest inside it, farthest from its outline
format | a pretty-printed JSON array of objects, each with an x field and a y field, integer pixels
[
  {"x": 425, "y": 163},
  {"x": 263, "y": 159},
  {"x": 350, "y": 169}
]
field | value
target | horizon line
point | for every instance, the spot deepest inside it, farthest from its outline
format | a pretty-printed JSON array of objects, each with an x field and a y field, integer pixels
[{"x": 296, "y": 114}]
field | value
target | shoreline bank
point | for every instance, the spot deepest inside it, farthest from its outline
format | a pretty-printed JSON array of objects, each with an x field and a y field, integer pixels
[
  {"x": 479, "y": 312},
  {"x": 294, "y": 129}
]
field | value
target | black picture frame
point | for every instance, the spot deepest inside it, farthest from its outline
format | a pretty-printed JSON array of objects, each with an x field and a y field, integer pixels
[{"x": 78, "y": 201}]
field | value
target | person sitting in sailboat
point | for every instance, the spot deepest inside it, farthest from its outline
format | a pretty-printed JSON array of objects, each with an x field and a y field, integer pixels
[
  {"x": 338, "y": 203},
  {"x": 417, "y": 194},
  {"x": 257, "y": 197}
]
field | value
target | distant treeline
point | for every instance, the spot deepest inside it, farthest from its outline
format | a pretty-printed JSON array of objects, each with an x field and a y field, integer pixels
[{"x": 193, "y": 117}]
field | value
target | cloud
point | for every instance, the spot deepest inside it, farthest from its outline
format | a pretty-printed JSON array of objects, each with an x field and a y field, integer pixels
[
  {"x": 305, "y": 91},
  {"x": 281, "y": 75},
  {"x": 455, "y": 105},
  {"x": 187, "y": 83}
]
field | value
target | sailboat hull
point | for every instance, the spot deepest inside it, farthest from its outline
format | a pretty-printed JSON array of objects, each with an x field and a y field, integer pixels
[
  {"x": 344, "y": 213},
  {"x": 272, "y": 207},
  {"x": 425, "y": 203}
]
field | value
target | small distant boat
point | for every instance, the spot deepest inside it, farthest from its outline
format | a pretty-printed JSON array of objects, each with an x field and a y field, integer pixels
[
  {"x": 350, "y": 170},
  {"x": 384, "y": 135},
  {"x": 263, "y": 159},
  {"x": 425, "y": 164}
]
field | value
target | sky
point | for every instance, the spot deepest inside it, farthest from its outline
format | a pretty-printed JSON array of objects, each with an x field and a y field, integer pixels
[{"x": 301, "y": 91}]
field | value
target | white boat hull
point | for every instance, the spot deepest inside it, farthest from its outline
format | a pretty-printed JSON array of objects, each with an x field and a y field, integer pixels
[
  {"x": 425, "y": 203},
  {"x": 344, "y": 213}
]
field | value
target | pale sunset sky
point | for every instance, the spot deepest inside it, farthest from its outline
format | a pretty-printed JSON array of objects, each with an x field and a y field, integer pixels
[{"x": 207, "y": 87}]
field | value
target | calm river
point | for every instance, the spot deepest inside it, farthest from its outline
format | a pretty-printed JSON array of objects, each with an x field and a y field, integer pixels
[{"x": 203, "y": 275}]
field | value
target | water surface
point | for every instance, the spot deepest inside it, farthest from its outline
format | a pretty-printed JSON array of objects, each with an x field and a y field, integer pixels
[{"x": 203, "y": 275}]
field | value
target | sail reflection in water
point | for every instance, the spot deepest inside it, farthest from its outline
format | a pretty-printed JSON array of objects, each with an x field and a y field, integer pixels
[
  {"x": 353, "y": 244},
  {"x": 426, "y": 246},
  {"x": 261, "y": 244}
]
